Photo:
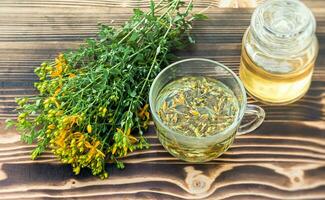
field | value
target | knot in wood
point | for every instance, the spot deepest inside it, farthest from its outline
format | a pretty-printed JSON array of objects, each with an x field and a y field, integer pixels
[{"x": 196, "y": 181}]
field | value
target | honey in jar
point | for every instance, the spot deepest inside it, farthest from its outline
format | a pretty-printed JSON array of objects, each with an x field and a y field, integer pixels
[{"x": 279, "y": 50}]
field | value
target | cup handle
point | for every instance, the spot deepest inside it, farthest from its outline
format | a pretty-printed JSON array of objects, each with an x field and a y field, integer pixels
[{"x": 250, "y": 124}]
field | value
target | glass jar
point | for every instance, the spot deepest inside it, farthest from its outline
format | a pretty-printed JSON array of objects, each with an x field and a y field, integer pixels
[{"x": 279, "y": 50}]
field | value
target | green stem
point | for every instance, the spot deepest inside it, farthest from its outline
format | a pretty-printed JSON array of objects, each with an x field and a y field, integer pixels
[
  {"x": 138, "y": 24},
  {"x": 154, "y": 62}
]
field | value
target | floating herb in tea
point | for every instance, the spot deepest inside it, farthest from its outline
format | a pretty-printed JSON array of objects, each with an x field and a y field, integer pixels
[{"x": 197, "y": 106}]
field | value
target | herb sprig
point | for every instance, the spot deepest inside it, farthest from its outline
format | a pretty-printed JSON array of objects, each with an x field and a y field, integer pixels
[{"x": 92, "y": 103}]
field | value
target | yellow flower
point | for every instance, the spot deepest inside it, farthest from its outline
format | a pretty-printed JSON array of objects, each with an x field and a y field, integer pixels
[
  {"x": 57, "y": 91},
  {"x": 128, "y": 131},
  {"x": 60, "y": 59},
  {"x": 22, "y": 116},
  {"x": 131, "y": 138},
  {"x": 78, "y": 135},
  {"x": 104, "y": 111},
  {"x": 72, "y": 75},
  {"x": 143, "y": 111},
  {"x": 59, "y": 113},
  {"x": 88, "y": 145},
  {"x": 51, "y": 126},
  {"x": 60, "y": 66},
  {"x": 89, "y": 128},
  {"x": 147, "y": 114},
  {"x": 52, "y": 100},
  {"x": 58, "y": 71},
  {"x": 69, "y": 121},
  {"x": 93, "y": 150},
  {"x": 194, "y": 112},
  {"x": 74, "y": 119},
  {"x": 100, "y": 153},
  {"x": 61, "y": 137},
  {"x": 114, "y": 149},
  {"x": 119, "y": 130}
]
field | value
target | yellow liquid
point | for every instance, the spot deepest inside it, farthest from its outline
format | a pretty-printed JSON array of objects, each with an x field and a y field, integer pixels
[{"x": 272, "y": 88}]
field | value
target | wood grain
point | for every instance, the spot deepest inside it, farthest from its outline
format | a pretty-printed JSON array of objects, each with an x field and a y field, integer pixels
[{"x": 283, "y": 159}]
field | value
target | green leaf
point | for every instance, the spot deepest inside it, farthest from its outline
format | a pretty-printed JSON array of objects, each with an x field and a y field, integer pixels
[
  {"x": 35, "y": 153},
  {"x": 138, "y": 12},
  {"x": 9, "y": 123},
  {"x": 133, "y": 93},
  {"x": 134, "y": 36},
  {"x": 158, "y": 49},
  {"x": 38, "y": 102},
  {"x": 190, "y": 39},
  {"x": 152, "y": 7},
  {"x": 120, "y": 165},
  {"x": 200, "y": 16}
]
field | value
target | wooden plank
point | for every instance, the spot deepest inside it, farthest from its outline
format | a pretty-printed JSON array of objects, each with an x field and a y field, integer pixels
[{"x": 284, "y": 159}]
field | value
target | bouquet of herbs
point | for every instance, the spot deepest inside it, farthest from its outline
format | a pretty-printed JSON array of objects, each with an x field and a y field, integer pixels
[{"x": 92, "y": 103}]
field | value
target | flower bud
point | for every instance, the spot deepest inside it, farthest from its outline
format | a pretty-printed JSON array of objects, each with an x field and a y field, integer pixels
[{"x": 89, "y": 128}]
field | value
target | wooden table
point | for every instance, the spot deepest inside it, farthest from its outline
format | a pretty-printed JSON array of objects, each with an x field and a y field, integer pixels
[{"x": 283, "y": 159}]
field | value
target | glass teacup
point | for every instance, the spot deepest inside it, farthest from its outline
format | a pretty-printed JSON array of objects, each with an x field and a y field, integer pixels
[{"x": 202, "y": 149}]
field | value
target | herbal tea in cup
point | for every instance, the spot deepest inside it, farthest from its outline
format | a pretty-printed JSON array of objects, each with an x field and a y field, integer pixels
[{"x": 197, "y": 106}]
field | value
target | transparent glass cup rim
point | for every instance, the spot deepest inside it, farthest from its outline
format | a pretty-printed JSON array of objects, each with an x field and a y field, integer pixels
[{"x": 221, "y": 133}]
